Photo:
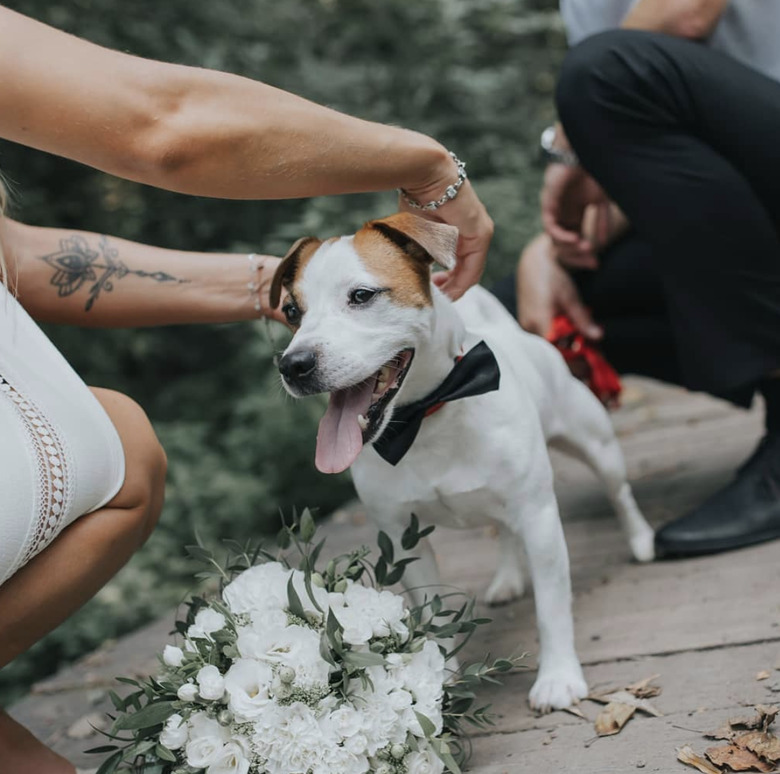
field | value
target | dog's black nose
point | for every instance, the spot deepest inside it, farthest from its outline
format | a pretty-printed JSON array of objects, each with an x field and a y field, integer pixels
[{"x": 297, "y": 365}]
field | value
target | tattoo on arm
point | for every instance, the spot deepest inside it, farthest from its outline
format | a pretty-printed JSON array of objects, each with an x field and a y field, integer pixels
[{"x": 76, "y": 264}]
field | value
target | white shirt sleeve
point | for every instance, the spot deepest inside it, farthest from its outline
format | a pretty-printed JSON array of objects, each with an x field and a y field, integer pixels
[{"x": 584, "y": 18}]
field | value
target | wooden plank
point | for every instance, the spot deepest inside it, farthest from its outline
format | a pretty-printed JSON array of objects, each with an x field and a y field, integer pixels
[{"x": 700, "y": 692}]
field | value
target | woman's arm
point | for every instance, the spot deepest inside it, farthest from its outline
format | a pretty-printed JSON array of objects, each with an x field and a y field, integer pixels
[
  {"x": 695, "y": 19},
  {"x": 80, "y": 278},
  {"x": 209, "y": 133}
]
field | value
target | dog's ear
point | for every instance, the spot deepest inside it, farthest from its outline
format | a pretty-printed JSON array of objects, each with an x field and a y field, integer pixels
[
  {"x": 415, "y": 235},
  {"x": 301, "y": 250}
]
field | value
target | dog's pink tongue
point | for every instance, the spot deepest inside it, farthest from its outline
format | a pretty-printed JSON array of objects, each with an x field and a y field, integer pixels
[{"x": 340, "y": 439}]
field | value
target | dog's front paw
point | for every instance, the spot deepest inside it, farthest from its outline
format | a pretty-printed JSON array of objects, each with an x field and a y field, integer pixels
[
  {"x": 558, "y": 689},
  {"x": 506, "y": 586},
  {"x": 643, "y": 545}
]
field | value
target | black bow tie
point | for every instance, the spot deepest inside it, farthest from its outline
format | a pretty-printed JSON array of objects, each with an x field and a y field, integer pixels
[{"x": 475, "y": 373}]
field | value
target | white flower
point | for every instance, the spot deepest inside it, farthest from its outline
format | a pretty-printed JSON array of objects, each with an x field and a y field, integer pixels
[
  {"x": 370, "y": 613},
  {"x": 357, "y": 627},
  {"x": 207, "y": 738},
  {"x": 188, "y": 692},
  {"x": 173, "y": 656},
  {"x": 357, "y": 744},
  {"x": 207, "y": 621},
  {"x": 345, "y": 721},
  {"x": 175, "y": 733},
  {"x": 247, "y": 683},
  {"x": 263, "y": 587},
  {"x": 423, "y": 762},
  {"x": 294, "y": 646},
  {"x": 295, "y": 743},
  {"x": 211, "y": 683},
  {"x": 234, "y": 758}
]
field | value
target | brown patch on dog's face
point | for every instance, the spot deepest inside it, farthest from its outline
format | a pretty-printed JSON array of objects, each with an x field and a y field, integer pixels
[
  {"x": 292, "y": 266},
  {"x": 407, "y": 276}
]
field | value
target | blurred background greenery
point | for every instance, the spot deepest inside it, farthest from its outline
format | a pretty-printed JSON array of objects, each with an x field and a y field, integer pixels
[{"x": 476, "y": 74}]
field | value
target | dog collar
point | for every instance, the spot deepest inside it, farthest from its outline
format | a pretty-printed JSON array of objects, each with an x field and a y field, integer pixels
[{"x": 475, "y": 373}]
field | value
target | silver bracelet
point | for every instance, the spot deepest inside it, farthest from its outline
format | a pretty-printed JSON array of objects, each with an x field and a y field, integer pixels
[
  {"x": 254, "y": 285},
  {"x": 449, "y": 194}
]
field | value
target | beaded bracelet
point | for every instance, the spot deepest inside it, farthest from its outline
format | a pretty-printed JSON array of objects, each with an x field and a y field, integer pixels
[
  {"x": 254, "y": 285},
  {"x": 449, "y": 194}
]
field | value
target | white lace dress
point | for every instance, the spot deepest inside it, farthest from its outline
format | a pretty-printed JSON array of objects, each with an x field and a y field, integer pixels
[{"x": 60, "y": 455}]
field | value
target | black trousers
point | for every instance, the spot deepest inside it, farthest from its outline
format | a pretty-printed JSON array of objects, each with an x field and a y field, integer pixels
[
  {"x": 687, "y": 141},
  {"x": 627, "y": 298}
]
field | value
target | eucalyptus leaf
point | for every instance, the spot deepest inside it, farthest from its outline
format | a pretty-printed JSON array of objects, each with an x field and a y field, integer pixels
[{"x": 151, "y": 715}]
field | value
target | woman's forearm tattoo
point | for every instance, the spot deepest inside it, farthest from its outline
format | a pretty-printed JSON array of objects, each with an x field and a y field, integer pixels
[{"x": 76, "y": 264}]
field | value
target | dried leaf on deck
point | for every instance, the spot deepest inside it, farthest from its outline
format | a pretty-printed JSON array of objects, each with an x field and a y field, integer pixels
[
  {"x": 613, "y": 717},
  {"x": 642, "y": 688},
  {"x": 724, "y": 732},
  {"x": 687, "y": 755},
  {"x": 764, "y": 718},
  {"x": 624, "y": 697},
  {"x": 766, "y": 746},
  {"x": 737, "y": 758},
  {"x": 763, "y": 675},
  {"x": 573, "y": 710}
]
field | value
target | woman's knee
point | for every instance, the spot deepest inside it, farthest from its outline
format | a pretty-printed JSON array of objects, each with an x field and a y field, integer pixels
[{"x": 145, "y": 462}]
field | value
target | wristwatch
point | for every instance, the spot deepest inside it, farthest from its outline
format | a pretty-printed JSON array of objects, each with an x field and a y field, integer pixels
[{"x": 553, "y": 154}]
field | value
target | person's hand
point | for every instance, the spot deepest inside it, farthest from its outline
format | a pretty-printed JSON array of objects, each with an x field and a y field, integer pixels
[
  {"x": 544, "y": 289},
  {"x": 567, "y": 195},
  {"x": 475, "y": 230}
]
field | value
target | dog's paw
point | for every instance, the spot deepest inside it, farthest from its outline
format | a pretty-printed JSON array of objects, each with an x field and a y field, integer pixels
[
  {"x": 558, "y": 689},
  {"x": 643, "y": 545},
  {"x": 505, "y": 587}
]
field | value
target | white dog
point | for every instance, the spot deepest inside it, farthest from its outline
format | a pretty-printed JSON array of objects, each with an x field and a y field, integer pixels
[{"x": 373, "y": 331}]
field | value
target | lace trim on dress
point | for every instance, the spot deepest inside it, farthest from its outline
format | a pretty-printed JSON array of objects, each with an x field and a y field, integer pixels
[{"x": 53, "y": 492}]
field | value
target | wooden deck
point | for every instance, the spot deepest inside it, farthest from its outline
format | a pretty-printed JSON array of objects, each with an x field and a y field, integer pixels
[{"x": 707, "y": 626}]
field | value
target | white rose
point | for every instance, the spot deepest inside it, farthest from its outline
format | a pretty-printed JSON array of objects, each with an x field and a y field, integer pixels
[
  {"x": 188, "y": 692},
  {"x": 423, "y": 762},
  {"x": 211, "y": 683},
  {"x": 207, "y": 621},
  {"x": 207, "y": 738},
  {"x": 233, "y": 759},
  {"x": 173, "y": 656},
  {"x": 175, "y": 733},
  {"x": 247, "y": 683}
]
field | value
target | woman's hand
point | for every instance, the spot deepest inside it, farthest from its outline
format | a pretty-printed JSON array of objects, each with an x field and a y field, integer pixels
[
  {"x": 468, "y": 214},
  {"x": 544, "y": 289}
]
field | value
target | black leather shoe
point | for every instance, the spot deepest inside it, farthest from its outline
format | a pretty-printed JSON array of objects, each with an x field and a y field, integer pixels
[{"x": 745, "y": 512}]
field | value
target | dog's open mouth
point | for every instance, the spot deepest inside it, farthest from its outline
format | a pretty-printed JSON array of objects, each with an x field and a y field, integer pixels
[{"x": 355, "y": 413}]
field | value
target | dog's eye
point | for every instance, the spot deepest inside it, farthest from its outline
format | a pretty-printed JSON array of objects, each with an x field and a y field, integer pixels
[
  {"x": 361, "y": 296},
  {"x": 292, "y": 313}
]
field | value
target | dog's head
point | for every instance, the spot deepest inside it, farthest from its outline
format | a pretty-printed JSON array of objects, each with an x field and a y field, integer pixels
[{"x": 358, "y": 306}]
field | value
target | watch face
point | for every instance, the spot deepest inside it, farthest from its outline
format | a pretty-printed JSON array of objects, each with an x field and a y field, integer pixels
[{"x": 548, "y": 138}]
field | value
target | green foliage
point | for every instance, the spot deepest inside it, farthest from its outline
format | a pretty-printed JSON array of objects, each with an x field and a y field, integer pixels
[{"x": 476, "y": 74}]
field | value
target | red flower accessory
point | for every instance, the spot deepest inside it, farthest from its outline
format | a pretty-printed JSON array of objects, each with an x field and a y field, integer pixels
[{"x": 585, "y": 361}]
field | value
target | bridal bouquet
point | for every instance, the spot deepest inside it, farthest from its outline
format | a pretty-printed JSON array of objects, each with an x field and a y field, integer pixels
[{"x": 300, "y": 671}]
